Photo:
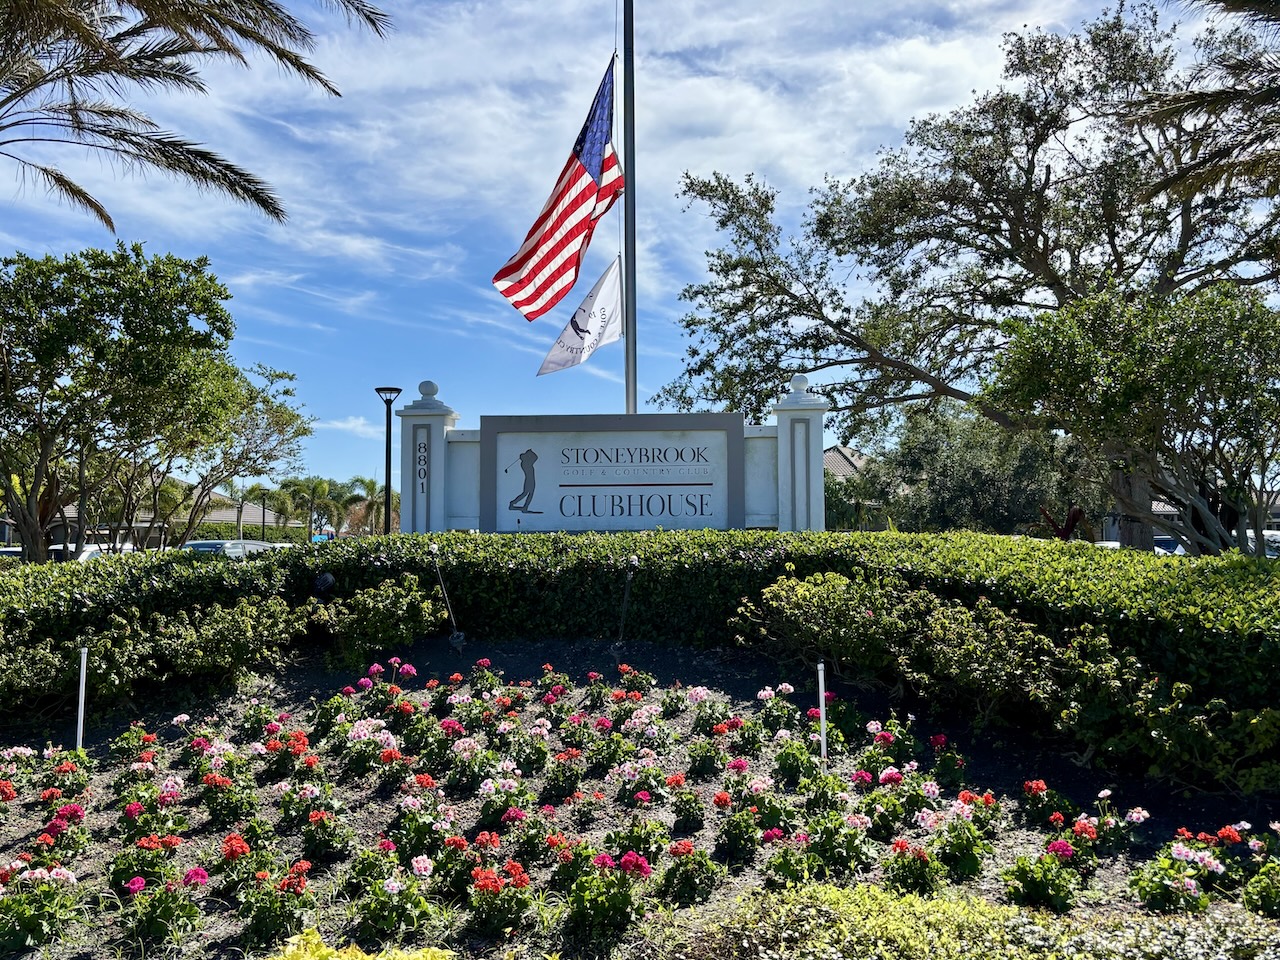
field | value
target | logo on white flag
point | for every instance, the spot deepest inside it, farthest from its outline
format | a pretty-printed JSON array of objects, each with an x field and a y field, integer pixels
[{"x": 597, "y": 322}]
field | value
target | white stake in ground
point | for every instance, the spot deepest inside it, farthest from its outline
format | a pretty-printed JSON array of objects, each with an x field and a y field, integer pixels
[
  {"x": 822, "y": 709},
  {"x": 84, "y": 662}
]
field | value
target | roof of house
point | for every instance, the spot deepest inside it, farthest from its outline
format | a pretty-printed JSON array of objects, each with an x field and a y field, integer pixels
[{"x": 842, "y": 461}]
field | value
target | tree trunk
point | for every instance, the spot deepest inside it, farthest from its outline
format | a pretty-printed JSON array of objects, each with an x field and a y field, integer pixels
[{"x": 1132, "y": 530}]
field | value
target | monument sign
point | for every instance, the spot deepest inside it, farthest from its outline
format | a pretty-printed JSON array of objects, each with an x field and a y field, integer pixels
[{"x": 611, "y": 472}]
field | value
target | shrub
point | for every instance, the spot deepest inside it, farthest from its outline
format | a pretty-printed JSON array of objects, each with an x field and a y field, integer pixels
[{"x": 1041, "y": 882}]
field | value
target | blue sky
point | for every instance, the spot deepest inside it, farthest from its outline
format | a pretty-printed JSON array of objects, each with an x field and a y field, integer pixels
[{"x": 407, "y": 193}]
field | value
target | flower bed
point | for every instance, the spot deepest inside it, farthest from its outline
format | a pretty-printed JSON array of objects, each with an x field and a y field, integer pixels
[{"x": 469, "y": 811}]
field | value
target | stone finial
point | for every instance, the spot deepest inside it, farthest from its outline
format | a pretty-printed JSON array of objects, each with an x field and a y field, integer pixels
[
  {"x": 801, "y": 396},
  {"x": 428, "y": 402}
]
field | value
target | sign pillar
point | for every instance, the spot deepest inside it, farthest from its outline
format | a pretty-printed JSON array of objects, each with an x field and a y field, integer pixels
[
  {"x": 801, "y": 497},
  {"x": 424, "y": 425}
]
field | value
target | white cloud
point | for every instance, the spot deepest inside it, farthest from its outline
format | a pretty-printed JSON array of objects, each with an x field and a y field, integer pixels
[{"x": 357, "y": 426}]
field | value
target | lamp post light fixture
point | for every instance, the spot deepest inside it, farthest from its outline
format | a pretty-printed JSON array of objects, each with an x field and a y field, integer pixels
[{"x": 388, "y": 395}]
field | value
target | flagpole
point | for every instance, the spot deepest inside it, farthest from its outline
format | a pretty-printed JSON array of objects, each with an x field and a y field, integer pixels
[{"x": 629, "y": 197}]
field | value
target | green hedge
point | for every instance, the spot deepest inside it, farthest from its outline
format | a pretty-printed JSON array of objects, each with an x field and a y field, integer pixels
[
  {"x": 1152, "y": 646},
  {"x": 226, "y": 530}
]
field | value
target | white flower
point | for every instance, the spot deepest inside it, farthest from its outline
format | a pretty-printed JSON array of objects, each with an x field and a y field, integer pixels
[
  {"x": 930, "y": 789},
  {"x": 1137, "y": 815},
  {"x": 422, "y": 866},
  {"x": 873, "y": 726},
  {"x": 785, "y": 688},
  {"x": 392, "y": 886},
  {"x": 180, "y": 719},
  {"x": 765, "y": 694},
  {"x": 1103, "y": 794},
  {"x": 62, "y": 875}
]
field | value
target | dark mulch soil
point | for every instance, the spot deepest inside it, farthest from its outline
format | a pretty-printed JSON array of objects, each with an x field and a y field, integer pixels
[{"x": 999, "y": 760}]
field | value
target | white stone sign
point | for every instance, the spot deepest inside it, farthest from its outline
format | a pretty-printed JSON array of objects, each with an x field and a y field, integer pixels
[{"x": 611, "y": 472}]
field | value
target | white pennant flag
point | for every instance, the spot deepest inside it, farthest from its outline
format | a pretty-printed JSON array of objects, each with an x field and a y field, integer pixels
[{"x": 597, "y": 322}]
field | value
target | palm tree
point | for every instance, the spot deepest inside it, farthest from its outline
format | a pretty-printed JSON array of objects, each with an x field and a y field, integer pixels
[
  {"x": 367, "y": 498},
  {"x": 67, "y": 66},
  {"x": 283, "y": 506},
  {"x": 308, "y": 493},
  {"x": 1232, "y": 109},
  {"x": 258, "y": 493}
]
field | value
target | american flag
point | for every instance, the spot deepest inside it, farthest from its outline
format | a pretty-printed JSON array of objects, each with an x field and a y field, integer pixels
[{"x": 545, "y": 267}]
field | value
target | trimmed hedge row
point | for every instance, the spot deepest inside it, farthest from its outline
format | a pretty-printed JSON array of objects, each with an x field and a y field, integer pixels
[{"x": 1165, "y": 644}]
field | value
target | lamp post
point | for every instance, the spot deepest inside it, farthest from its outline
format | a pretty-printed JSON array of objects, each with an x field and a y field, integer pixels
[{"x": 388, "y": 395}]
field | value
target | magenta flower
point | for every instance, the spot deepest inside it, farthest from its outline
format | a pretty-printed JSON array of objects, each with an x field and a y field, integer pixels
[
  {"x": 861, "y": 777},
  {"x": 375, "y": 669},
  {"x": 386, "y": 846},
  {"x": 394, "y": 661},
  {"x": 349, "y": 691},
  {"x": 134, "y": 810},
  {"x": 593, "y": 676},
  {"x": 195, "y": 877},
  {"x": 814, "y": 713},
  {"x": 890, "y": 777},
  {"x": 772, "y": 835},
  {"x": 513, "y": 815},
  {"x": 452, "y": 728},
  {"x": 642, "y": 796},
  {"x": 1061, "y": 849},
  {"x": 71, "y": 812},
  {"x": 408, "y": 671},
  {"x": 135, "y": 885},
  {"x": 483, "y": 663},
  {"x": 737, "y": 765},
  {"x": 603, "y": 861},
  {"x": 364, "y": 683},
  {"x": 634, "y": 864},
  {"x": 603, "y": 724}
]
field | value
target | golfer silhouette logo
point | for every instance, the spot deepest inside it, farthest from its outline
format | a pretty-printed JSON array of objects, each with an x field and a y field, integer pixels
[{"x": 525, "y": 497}]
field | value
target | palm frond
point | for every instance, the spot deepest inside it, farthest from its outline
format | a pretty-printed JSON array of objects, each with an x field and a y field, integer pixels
[{"x": 67, "y": 189}]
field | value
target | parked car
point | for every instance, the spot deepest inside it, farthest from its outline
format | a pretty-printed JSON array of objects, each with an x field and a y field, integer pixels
[
  {"x": 91, "y": 552},
  {"x": 1270, "y": 540},
  {"x": 226, "y": 548}
]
